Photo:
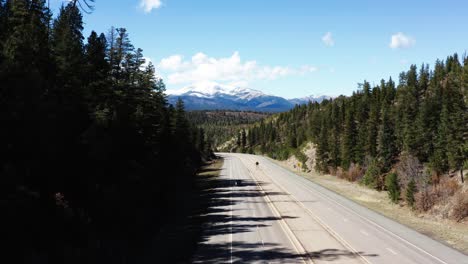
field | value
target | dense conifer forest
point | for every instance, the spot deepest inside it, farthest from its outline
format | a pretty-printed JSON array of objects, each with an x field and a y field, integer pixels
[
  {"x": 418, "y": 127},
  {"x": 218, "y": 126},
  {"x": 91, "y": 154}
]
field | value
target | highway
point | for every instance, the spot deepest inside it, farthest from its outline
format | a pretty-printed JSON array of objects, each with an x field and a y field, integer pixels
[{"x": 267, "y": 214}]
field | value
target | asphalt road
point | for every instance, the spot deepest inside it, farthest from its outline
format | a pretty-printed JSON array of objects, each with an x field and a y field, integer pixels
[{"x": 266, "y": 214}]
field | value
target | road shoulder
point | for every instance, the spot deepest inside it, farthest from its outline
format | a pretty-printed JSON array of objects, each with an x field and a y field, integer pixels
[{"x": 445, "y": 231}]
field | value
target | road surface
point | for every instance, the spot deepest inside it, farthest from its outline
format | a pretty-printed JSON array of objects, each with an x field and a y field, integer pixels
[{"x": 266, "y": 214}]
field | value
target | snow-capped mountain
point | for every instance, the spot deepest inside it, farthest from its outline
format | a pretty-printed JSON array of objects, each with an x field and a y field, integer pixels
[
  {"x": 311, "y": 98},
  {"x": 211, "y": 90},
  {"x": 212, "y": 96}
]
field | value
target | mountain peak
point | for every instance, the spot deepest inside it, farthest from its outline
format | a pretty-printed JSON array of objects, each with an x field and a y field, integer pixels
[
  {"x": 212, "y": 96},
  {"x": 311, "y": 98},
  {"x": 212, "y": 89}
]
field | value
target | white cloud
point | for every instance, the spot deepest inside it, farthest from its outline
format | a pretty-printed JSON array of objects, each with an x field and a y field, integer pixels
[
  {"x": 202, "y": 68},
  {"x": 328, "y": 40},
  {"x": 402, "y": 41},
  {"x": 149, "y": 5},
  {"x": 172, "y": 63},
  {"x": 307, "y": 69}
]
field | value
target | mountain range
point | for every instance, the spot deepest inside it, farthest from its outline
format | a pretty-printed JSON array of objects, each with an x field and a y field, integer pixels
[{"x": 214, "y": 96}]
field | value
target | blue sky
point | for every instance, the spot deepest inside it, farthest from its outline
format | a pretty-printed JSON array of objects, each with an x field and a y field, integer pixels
[{"x": 288, "y": 48}]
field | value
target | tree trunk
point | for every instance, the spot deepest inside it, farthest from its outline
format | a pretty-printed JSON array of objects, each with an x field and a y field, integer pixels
[{"x": 461, "y": 175}]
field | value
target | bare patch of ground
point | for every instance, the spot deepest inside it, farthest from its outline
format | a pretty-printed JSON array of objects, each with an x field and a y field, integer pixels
[
  {"x": 294, "y": 163},
  {"x": 444, "y": 230}
]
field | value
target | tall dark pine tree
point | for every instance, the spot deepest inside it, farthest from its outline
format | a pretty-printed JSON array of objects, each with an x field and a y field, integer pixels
[
  {"x": 349, "y": 138},
  {"x": 322, "y": 152},
  {"x": 68, "y": 50},
  {"x": 457, "y": 120},
  {"x": 120, "y": 50},
  {"x": 373, "y": 122},
  {"x": 181, "y": 126},
  {"x": 386, "y": 143},
  {"x": 408, "y": 104},
  {"x": 24, "y": 76},
  {"x": 243, "y": 138},
  {"x": 335, "y": 141},
  {"x": 96, "y": 72},
  {"x": 67, "y": 100},
  {"x": 361, "y": 117},
  {"x": 201, "y": 142},
  {"x": 439, "y": 160}
]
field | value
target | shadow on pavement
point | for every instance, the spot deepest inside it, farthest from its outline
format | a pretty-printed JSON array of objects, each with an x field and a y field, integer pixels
[
  {"x": 209, "y": 215},
  {"x": 217, "y": 216}
]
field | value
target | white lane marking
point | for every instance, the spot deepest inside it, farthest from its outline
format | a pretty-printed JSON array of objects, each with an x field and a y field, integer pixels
[
  {"x": 287, "y": 230},
  {"x": 392, "y": 251},
  {"x": 364, "y": 232},
  {"x": 362, "y": 217},
  {"x": 230, "y": 233},
  {"x": 321, "y": 222}
]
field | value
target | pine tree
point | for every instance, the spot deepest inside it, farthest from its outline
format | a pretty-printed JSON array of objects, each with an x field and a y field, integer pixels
[
  {"x": 386, "y": 143},
  {"x": 373, "y": 124},
  {"x": 362, "y": 117},
  {"x": 457, "y": 125},
  {"x": 439, "y": 160},
  {"x": 95, "y": 53},
  {"x": 97, "y": 70},
  {"x": 322, "y": 152},
  {"x": 16, "y": 46},
  {"x": 349, "y": 138},
  {"x": 293, "y": 138},
  {"x": 410, "y": 192},
  {"x": 243, "y": 138},
  {"x": 121, "y": 57},
  {"x": 335, "y": 141},
  {"x": 201, "y": 140},
  {"x": 393, "y": 188},
  {"x": 181, "y": 123},
  {"x": 408, "y": 102},
  {"x": 68, "y": 50},
  {"x": 25, "y": 77},
  {"x": 372, "y": 174}
]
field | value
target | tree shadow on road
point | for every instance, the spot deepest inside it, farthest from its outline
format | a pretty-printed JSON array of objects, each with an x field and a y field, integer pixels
[
  {"x": 218, "y": 220},
  {"x": 210, "y": 215}
]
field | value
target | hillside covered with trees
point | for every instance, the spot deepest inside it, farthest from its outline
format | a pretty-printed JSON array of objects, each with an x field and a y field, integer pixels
[
  {"x": 219, "y": 125},
  {"x": 91, "y": 154},
  {"x": 400, "y": 137}
]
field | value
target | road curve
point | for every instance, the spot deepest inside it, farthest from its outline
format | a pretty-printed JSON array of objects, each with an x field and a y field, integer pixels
[{"x": 267, "y": 214}]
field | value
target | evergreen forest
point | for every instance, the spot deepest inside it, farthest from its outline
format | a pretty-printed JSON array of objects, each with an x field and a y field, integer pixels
[
  {"x": 91, "y": 154},
  {"x": 414, "y": 131}
]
